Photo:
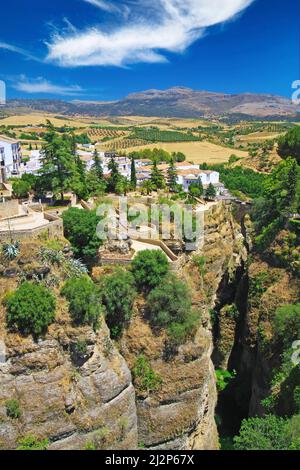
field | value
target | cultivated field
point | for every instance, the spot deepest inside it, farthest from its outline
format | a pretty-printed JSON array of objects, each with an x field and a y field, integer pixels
[{"x": 197, "y": 152}]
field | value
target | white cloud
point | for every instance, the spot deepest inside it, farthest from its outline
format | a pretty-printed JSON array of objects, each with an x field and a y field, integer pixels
[
  {"x": 152, "y": 28},
  {"x": 41, "y": 85},
  {"x": 17, "y": 50},
  {"x": 103, "y": 5}
]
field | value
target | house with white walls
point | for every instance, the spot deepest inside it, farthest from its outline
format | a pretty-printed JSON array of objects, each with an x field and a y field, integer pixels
[
  {"x": 186, "y": 177},
  {"x": 10, "y": 157}
]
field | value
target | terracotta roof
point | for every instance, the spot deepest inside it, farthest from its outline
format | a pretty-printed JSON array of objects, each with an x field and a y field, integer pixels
[{"x": 192, "y": 171}]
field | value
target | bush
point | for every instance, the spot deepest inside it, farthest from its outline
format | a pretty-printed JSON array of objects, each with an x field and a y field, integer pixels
[
  {"x": 84, "y": 300},
  {"x": 80, "y": 228},
  {"x": 145, "y": 379},
  {"x": 169, "y": 302},
  {"x": 32, "y": 443},
  {"x": 149, "y": 268},
  {"x": 266, "y": 433},
  {"x": 169, "y": 306},
  {"x": 31, "y": 308},
  {"x": 118, "y": 294},
  {"x": 287, "y": 323},
  {"x": 13, "y": 408}
]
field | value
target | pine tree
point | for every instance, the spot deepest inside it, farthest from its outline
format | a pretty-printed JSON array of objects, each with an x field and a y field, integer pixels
[
  {"x": 97, "y": 165},
  {"x": 157, "y": 178},
  {"x": 58, "y": 164},
  {"x": 133, "y": 174},
  {"x": 172, "y": 176},
  {"x": 114, "y": 175}
]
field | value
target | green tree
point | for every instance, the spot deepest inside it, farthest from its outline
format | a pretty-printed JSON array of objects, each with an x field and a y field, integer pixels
[
  {"x": 97, "y": 165},
  {"x": 287, "y": 323},
  {"x": 80, "y": 228},
  {"x": 289, "y": 144},
  {"x": 149, "y": 268},
  {"x": 31, "y": 309},
  {"x": 172, "y": 176},
  {"x": 122, "y": 186},
  {"x": 147, "y": 186},
  {"x": 21, "y": 188},
  {"x": 118, "y": 295},
  {"x": 266, "y": 433},
  {"x": 157, "y": 179},
  {"x": 210, "y": 193},
  {"x": 83, "y": 297},
  {"x": 133, "y": 174},
  {"x": 115, "y": 176},
  {"x": 60, "y": 169},
  {"x": 196, "y": 189}
]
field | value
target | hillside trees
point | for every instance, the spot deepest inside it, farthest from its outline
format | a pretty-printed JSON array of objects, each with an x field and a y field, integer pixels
[
  {"x": 289, "y": 144},
  {"x": 60, "y": 171}
]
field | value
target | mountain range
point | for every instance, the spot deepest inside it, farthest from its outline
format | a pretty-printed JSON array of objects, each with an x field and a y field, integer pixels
[{"x": 174, "y": 102}]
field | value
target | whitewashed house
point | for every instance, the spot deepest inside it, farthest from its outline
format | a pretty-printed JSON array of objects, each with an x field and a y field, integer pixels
[
  {"x": 186, "y": 177},
  {"x": 10, "y": 157}
]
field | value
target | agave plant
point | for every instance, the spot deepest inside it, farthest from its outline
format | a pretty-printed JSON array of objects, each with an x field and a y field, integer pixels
[
  {"x": 74, "y": 268},
  {"x": 11, "y": 250},
  {"x": 52, "y": 256}
]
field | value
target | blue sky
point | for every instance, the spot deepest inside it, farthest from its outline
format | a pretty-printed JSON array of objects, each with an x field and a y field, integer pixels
[{"x": 105, "y": 49}]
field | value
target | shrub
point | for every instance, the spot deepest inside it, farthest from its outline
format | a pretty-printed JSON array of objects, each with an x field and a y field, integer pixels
[
  {"x": 287, "y": 323},
  {"x": 33, "y": 443},
  {"x": 266, "y": 433},
  {"x": 13, "y": 408},
  {"x": 149, "y": 267},
  {"x": 118, "y": 294},
  {"x": 169, "y": 302},
  {"x": 145, "y": 379},
  {"x": 84, "y": 301},
  {"x": 80, "y": 229},
  {"x": 224, "y": 377},
  {"x": 31, "y": 308}
]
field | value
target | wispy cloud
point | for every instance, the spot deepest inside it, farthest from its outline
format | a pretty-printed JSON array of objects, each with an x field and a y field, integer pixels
[
  {"x": 42, "y": 86},
  {"x": 17, "y": 50},
  {"x": 152, "y": 28},
  {"x": 103, "y": 5}
]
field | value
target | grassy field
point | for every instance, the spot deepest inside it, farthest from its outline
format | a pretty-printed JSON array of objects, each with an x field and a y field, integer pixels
[
  {"x": 197, "y": 152},
  {"x": 35, "y": 119}
]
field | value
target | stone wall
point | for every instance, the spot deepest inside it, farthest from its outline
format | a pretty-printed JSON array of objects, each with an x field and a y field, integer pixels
[{"x": 9, "y": 208}]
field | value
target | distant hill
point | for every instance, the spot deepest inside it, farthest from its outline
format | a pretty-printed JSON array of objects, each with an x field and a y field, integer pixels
[{"x": 174, "y": 102}]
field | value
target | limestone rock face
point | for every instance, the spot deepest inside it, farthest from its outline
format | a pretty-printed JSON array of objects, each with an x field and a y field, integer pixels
[
  {"x": 180, "y": 415},
  {"x": 72, "y": 401}
]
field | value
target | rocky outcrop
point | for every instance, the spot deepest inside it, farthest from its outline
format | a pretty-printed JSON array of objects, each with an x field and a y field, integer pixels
[
  {"x": 180, "y": 415},
  {"x": 72, "y": 387}
]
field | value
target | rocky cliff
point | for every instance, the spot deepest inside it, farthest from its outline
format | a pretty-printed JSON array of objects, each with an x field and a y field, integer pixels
[
  {"x": 74, "y": 386},
  {"x": 180, "y": 414}
]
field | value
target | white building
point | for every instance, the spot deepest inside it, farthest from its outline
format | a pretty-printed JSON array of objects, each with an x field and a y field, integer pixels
[
  {"x": 31, "y": 163},
  {"x": 186, "y": 177},
  {"x": 10, "y": 157}
]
